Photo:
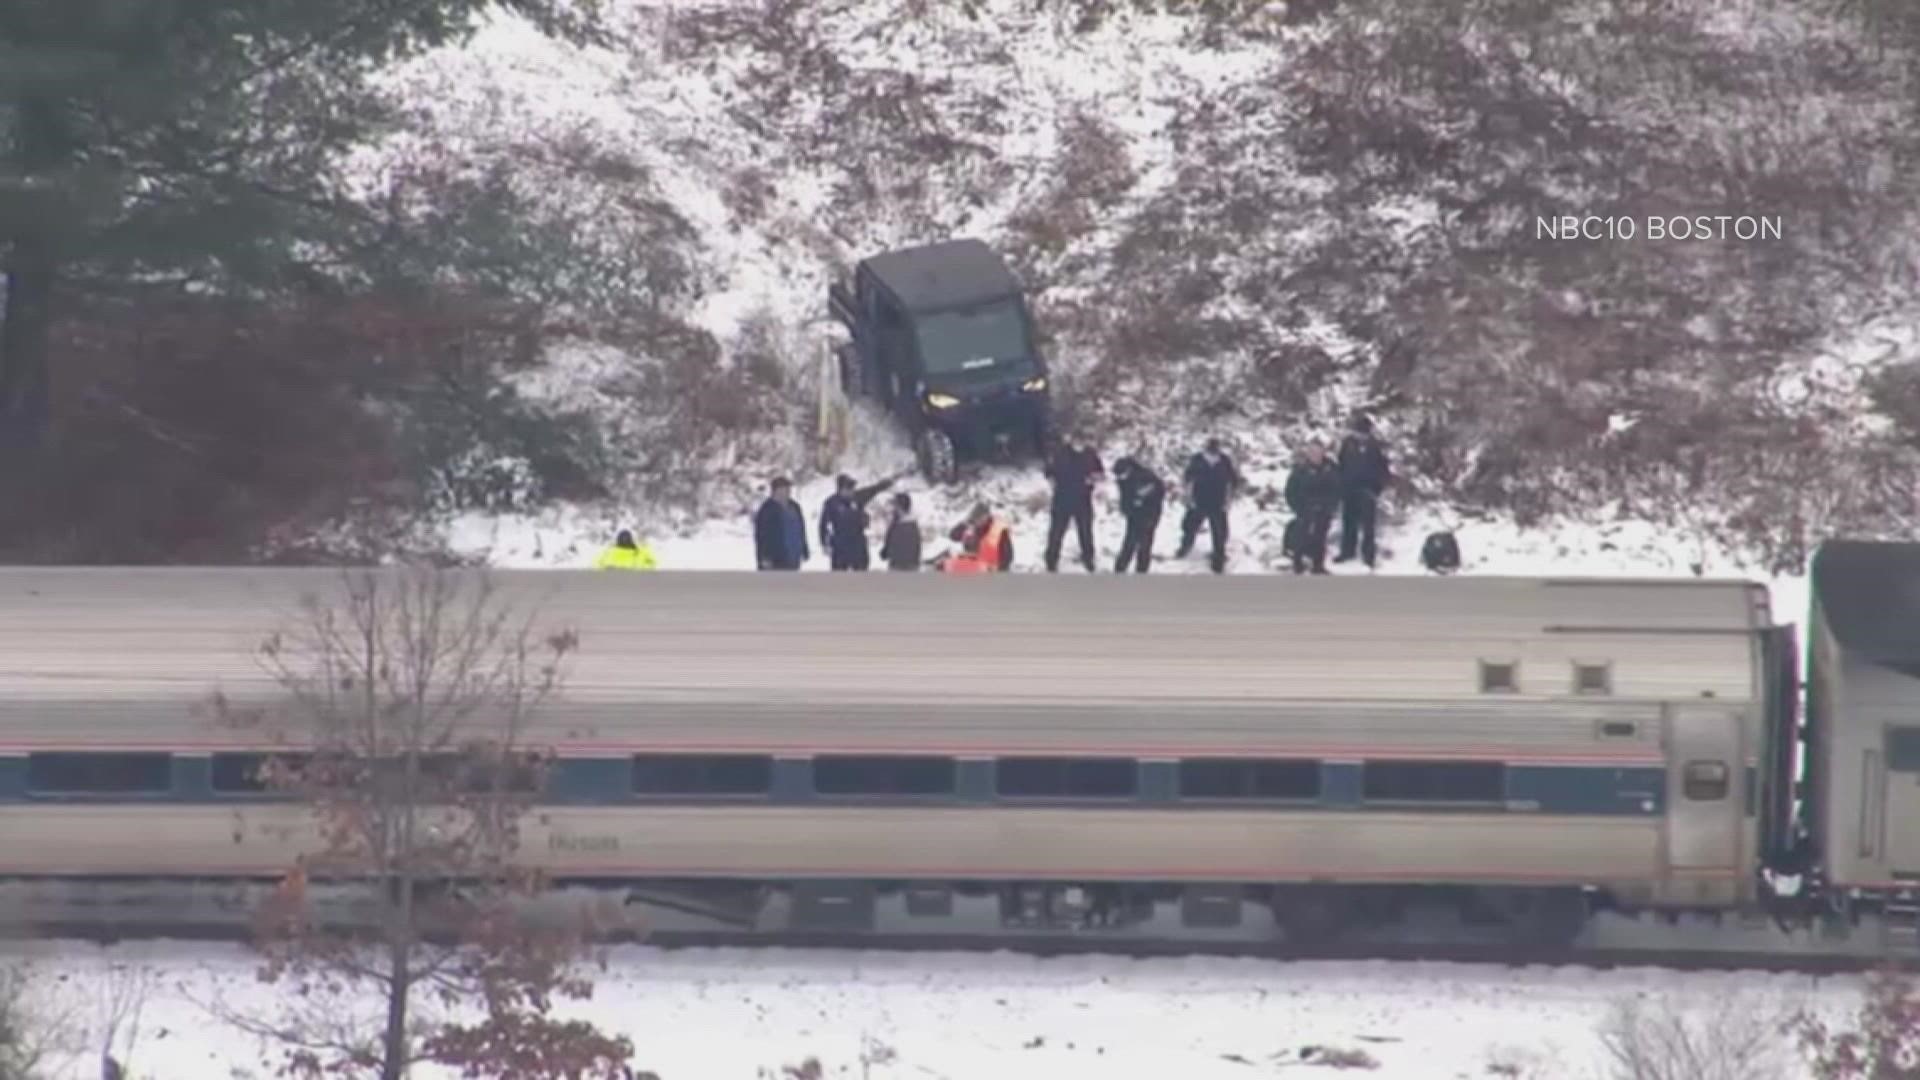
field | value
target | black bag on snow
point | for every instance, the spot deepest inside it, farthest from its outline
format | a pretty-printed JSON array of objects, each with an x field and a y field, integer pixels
[{"x": 1441, "y": 553}]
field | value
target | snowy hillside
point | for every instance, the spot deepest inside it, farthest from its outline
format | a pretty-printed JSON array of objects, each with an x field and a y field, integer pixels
[{"x": 1247, "y": 232}]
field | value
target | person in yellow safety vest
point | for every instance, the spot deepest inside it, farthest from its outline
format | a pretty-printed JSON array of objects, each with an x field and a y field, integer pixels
[
  {"x": 625, "y": 554},
  {"x": 985, "y": 542}
]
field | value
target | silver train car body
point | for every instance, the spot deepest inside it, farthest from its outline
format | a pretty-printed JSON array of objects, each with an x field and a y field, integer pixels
[
  {"x": 1862, "y": 787},
  {"x": 1599, "y": 741}
]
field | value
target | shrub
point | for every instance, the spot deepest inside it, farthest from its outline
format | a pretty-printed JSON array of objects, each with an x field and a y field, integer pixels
[
  {"x": 1881, "y": 1043},
  {"x": 1654, "y": 1039}
]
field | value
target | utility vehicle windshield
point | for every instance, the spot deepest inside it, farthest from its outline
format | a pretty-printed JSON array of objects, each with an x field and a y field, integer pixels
[{"x": 968, "y": 339}]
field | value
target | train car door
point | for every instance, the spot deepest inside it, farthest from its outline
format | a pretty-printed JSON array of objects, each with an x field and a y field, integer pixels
[
  {"x": 1704, "y": 801},
  {"x": 1900, "y": 824}
]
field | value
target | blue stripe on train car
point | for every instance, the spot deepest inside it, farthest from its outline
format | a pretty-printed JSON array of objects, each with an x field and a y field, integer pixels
[
  {"x": 1550, "y": 789},
  {"x": 1587, "y": 789}
]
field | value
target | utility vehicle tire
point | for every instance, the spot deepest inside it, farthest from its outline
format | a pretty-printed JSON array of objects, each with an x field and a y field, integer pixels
[
  {"x": 937, "y": 459},
  {"x": 852, "y": 380}
]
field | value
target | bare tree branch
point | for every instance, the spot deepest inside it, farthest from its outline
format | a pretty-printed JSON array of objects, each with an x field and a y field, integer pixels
[
  {"x": 406, "y": 702},
  {"x": 1659, "y": 1040}
]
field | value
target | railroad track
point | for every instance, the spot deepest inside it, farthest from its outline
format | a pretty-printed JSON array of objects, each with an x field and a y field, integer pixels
[
  {"x": 1069, "y": 945},
  {"x": 1503, "y": 956},
  {"x": 105, "y": 912}
]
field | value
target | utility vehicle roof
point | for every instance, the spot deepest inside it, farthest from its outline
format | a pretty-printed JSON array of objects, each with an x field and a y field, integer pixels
[
  {"x": 1869, "y": 595},
  {"x": 949, "y": 274}
]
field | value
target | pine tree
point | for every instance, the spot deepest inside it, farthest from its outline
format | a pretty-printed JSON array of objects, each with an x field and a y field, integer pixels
[{"x": 188, "y": 144}]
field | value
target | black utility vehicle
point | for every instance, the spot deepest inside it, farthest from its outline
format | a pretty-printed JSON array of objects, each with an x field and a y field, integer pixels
[{"x": 942, "y": 339}]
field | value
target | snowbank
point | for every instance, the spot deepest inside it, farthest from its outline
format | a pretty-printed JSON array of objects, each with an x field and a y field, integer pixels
[{"x": 724, "y": 1014}]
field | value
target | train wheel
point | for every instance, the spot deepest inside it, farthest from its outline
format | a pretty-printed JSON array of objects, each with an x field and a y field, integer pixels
[
  {"x": 1543, "y": 918},
  {"x": 1312, "y": 915}
]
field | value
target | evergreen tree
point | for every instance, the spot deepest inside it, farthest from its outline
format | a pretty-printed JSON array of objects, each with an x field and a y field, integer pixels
[{"x": 190, "y": 144}]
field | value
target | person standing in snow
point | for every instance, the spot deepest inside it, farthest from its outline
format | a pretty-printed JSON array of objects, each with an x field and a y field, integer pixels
[
  {"x": 1142, "y": 497},
  {"x": 1075, "y": 470},
  {"x": 901, "y": 548},
  {"x": 1363, "y": 476},
  {"x": 1313, "y": 491},
  {"x": 625, "y": 554},
  {"x": 1211, "y": 480},
  {"x": 843, "y": 522},
  {"x": 780, "y": 530}
]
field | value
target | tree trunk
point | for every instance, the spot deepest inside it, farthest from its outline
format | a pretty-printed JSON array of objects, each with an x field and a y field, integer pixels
[
  {"x": 403, "y": 926},
  {"x": 24, "y": 335},
  {"x": 394, "y": 1050},
  {"x": 43, "y": 149}
]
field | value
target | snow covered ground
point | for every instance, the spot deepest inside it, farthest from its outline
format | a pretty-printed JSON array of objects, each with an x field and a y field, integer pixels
[
  {"x": 573, "y": 537},
  {"x": 725, "y": 1014}
]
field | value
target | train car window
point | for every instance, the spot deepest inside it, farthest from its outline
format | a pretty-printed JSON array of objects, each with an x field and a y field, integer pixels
[
  {"x": 64, "y": 773},
  {"x": 1499, "y": 677},
  {"x": 1067, "y": 778},
  {"x": 241, "y": 773},
  {"x": 1592, "y": 678},
  {"x": 835, "y": 775},
  {"x": 475, "y": 773},
  {"x": 1903, "y": 749},
  {"x": 1704, "y": 781},
  {"x": 1235, "y": 778},
  {"x": 702, "y": 774},
  {"x": 1434, "y": 781}
]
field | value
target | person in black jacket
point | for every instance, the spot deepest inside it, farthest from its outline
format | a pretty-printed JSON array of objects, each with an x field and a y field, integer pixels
[
  {"x": 1211, "y": 481},
  {"x": 1074, "y": 470},
  {"x": 901, "y": 548},
  {"x": 1363, "y": 476},
  {"x": 1313, "y": 491},
  {"x": 843, "y": 522},
  {"x": 1142, "y": 497},
  {"x": 780, "y": 530}
]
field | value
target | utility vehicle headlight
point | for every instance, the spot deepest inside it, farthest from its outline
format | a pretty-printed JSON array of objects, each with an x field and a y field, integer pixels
[
  {"x": 1035, "y": 384},
  {"x": 942, "y": 401}
]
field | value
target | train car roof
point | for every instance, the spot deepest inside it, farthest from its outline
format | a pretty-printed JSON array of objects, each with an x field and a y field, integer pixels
[
  {"x": 122, "y": 653},
  {"x": 1868, "y": 593},
  {"x": 1088, "y": 603}
]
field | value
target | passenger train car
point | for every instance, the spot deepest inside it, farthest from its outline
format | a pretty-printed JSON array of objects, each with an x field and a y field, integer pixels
[
  {"x": 1861, "y": 791},
  {"x": 1078, "y": 747}
]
